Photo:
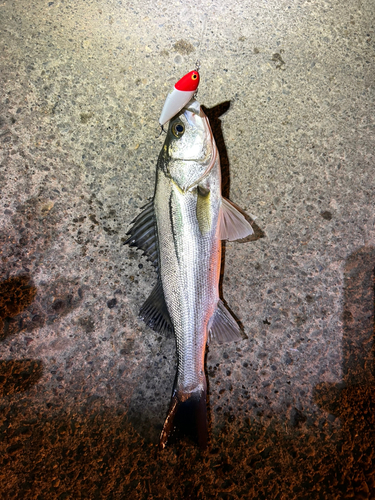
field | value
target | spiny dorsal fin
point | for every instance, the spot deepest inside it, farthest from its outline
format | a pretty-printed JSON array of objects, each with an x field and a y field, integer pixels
[
  {"x": 224, "y": 327},
  {"x": 154, "y": 311},
  {"x": 233, "y": 225},
  {"x": 143, "y": 234}
]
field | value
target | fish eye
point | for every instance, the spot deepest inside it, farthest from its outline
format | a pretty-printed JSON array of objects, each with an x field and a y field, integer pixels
[
  {"x": 194, "y": 76},
  {"x": 178, "y": 129}
]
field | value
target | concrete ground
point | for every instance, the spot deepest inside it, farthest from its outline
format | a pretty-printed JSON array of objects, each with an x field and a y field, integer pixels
[{"x": 84, "y": 384}]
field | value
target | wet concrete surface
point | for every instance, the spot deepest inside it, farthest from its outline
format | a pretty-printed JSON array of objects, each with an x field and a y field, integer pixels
[{"x": 84, "y": 384}]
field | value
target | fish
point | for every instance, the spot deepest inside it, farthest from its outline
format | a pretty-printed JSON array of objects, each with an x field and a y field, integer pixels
[
  {"x": 182, "y": 92},
  {"x": 181, "y": 231}
]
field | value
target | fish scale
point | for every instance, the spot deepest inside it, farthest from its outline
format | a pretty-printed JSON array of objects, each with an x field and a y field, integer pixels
[{"x": 191, "y": 291}]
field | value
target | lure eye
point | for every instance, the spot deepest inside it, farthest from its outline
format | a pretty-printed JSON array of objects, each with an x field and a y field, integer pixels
[
  {"x": 178, "y": 129},
  {"x": 194, "y": 76}
]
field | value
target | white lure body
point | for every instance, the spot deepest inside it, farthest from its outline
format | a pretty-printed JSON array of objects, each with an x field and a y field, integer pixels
[
  {"x": 182, "y": 93},
  {"x": 175, "y": 101}
]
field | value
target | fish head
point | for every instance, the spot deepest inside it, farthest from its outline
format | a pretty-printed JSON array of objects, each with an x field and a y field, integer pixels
[{"x": 189, "y": 150}]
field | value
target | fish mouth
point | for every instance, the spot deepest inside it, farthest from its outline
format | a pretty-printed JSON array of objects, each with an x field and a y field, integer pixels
[
  {"x": 195, "y": 118},
  {"x": 194, "y": 108},
  {"x": 212, "y": 152}
]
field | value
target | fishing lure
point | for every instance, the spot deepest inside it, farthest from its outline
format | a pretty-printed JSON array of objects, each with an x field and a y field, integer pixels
[{"x": 182, "y": 93}]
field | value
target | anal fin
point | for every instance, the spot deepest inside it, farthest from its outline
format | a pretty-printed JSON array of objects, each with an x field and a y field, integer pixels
[
  {"x": 233, "y": 225},
  {"x": 223, "y": 327}
]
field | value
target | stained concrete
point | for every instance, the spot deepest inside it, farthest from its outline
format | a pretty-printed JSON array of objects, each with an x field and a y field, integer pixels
[{"x": 82, "y": 87}]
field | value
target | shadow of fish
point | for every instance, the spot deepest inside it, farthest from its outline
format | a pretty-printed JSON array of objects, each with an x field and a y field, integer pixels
[{"x": 180, "y": 231}]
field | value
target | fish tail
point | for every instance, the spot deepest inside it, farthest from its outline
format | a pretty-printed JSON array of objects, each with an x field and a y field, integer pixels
[{"x": 187, "y": 415}]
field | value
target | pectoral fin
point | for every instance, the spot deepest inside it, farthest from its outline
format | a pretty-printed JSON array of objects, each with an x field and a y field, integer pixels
[
  {"x": 223, "y": 327},
  {"x": 233, "y": 225},
  {"x": 204, "y": 215}
]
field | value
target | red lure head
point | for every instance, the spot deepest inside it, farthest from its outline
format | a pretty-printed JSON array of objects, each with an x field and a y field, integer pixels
[{"x": 189, "y": 82}]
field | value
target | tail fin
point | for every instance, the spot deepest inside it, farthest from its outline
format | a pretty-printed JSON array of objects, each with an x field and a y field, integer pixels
[{"x": 187, "y": 415}]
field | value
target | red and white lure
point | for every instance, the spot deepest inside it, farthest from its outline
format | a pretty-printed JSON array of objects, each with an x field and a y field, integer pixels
[{"x": 181, "y": 94}]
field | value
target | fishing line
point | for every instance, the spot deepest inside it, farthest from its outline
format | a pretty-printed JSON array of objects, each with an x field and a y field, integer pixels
[
  {"x": 200, "y": 44},
  {"x": 185, "y": 89}
]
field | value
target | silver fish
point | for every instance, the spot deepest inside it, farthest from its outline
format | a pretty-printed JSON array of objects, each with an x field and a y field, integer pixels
[{"x": 180, "y": 231}]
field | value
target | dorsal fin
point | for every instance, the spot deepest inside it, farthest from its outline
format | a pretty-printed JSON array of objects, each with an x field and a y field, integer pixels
[
  {"x": 233, "y": 225},
  {"x": 154, "y": 311},
  {"x": 223, "y": 327},
  {"x": 143, "y": 234}
]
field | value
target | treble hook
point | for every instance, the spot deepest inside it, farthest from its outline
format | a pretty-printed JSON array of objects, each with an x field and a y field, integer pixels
[{"x": 161, "y": 131}]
